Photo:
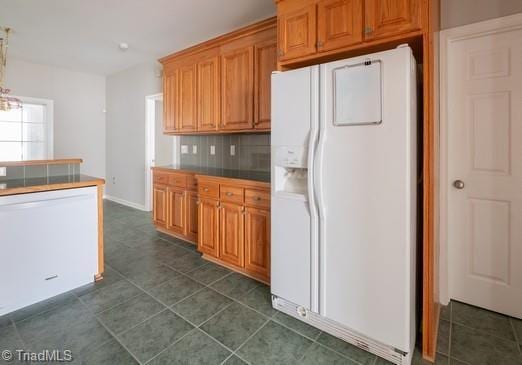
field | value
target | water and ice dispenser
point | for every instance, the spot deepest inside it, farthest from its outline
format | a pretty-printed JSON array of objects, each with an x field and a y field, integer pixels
[{"x": 290, "y": 170}]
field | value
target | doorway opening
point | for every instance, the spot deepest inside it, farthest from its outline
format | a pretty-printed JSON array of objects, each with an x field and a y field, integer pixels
[{"x": 160, "y": 149}]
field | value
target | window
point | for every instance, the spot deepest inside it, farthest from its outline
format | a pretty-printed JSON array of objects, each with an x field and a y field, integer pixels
[{"x": 27, "y": 133}]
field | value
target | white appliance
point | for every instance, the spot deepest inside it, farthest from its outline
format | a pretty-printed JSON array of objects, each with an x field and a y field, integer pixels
[
  {"x": 48, "y": 243},
  {"x": 344, "y": 199}
]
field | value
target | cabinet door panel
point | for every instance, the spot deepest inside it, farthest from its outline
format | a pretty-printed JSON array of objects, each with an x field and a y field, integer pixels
[
  {"x": 208, "y": 219},
  {"x": 176, "y": 216},
  {"x": 297, "y": 33},
  {"x": 340, "y": 23},
  {"x": 231, "y": 234},
  {"x": 192, "y": 216},
  {"x": 187, "y": 99},
  {"x": 257, "y": 241},
  {"x": 237, "y": 74},
  {"x": 170, "y": 92},
  {"x": 208, "y": 95},
  {"x": 159, "y": 205},
  {"x": 265, "y": 55},
  {"x": 386, "y": 18}
]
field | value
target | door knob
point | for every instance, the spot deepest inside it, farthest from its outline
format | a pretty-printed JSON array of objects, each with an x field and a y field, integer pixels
[{"x": 458, "y": 184}]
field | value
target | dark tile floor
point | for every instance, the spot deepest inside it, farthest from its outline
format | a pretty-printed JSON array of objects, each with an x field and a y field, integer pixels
[{"x": 160, "y": 303}]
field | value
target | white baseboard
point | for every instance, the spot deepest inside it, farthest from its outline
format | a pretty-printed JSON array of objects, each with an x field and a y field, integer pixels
[{"x": 125, "y": 202}]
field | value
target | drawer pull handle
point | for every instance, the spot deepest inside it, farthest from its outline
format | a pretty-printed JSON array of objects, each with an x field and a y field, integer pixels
[
  {"x": 258, "y": 198},
  {"x": 205, "y": 190},
  {"x": 51, "y": 277},
  {"x": 229, "y": 193}
]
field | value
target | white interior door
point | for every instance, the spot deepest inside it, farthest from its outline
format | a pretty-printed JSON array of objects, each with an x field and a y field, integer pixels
[{"x": 484, "y": 169}]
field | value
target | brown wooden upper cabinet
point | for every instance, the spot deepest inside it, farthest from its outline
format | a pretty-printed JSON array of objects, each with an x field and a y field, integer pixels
[
  {"x": 385, "y": 18},
  {"x": 187, "y": 98},
  {"x": 208, "y": 108},
  {"x": 237, "y": 72},
  {"x": 296, "y": 30},
  {"x": 308, "y": 29},
  {"x": 339, "y": 23},
  {"x": 170, "y": 91},
  {"x": 265, "y": 62},
  {"x": 222, "y": 85}
]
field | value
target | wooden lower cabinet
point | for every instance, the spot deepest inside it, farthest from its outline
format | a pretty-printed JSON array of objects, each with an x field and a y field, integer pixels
[
  {"x": 159, "y": 201},
  {"x": 177, "y": 212},
  {"x": 174, "y": 203},
  {"x": 241, "y": 239},
  {"x": 257, "y": 241},
  {"x": 228, "y": 219},
  {"x": 231, "y": 233},
  {"x": 192, "y": 216},
  {"x": 208, "y": 226}
]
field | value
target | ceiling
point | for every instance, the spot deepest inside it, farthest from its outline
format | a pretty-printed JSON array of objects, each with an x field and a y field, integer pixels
[{"x": 84, "y": 35}]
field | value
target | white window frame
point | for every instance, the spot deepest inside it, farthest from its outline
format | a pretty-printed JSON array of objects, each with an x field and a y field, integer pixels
[{"x": 48, "y": 117}]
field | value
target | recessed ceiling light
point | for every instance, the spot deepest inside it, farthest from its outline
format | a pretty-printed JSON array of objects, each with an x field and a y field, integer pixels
[{"x": 124, "y": 46}]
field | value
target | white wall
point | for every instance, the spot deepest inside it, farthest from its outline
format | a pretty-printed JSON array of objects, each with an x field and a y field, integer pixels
[
  {"x": 79, "y": 101},
  {"x": 460, "y": 12},
  {"x": 126, "y": 91}
]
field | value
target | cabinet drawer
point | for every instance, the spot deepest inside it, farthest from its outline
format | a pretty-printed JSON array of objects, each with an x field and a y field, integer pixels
[
  {"x": 161, "y": 178},
  {"x": 178, "y": 180},
  {"x": 257, "y": 198},
  {"x": 192, "y": 183},
  {"x": 208, "y": 189},
  {"x": 231, "y": 194}
]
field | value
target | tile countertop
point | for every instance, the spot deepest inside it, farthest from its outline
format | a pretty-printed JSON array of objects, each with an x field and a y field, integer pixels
[
  {"x": 220, "y": 172},
  {"x": 31, "y": 185}
]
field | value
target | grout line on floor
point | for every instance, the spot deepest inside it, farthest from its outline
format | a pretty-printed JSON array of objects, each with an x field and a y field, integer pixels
[
  {"x": 248, "y": 339},
  {"x": 113, "y": 335},
  {"x": 518, "y": 340}
]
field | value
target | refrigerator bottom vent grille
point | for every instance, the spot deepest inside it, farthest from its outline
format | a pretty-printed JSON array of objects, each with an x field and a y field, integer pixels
[{"x": 335, "y": 329}]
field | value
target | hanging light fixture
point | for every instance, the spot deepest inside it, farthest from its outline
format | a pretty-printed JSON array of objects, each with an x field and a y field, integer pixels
[{"x": 6, "y": 102}]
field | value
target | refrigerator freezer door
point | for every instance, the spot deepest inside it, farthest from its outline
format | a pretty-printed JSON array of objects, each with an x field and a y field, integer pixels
[
  {"x": 292, "y": 106},
  {"x": 294, "y": 131},
  {"x": 366, "y": 197},
  {"x": 290, "y": 264}
]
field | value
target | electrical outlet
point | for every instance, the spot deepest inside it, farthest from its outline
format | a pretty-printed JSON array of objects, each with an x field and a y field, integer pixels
[
  {"x": 184, "y": 149},
  {"x": 113, "y": 180},
  {"x": 3, "y": 171},
  {"x": 232, "y": 150},
  {"x": 194, "y": 149},
  {"x": 212, "y": 149}
]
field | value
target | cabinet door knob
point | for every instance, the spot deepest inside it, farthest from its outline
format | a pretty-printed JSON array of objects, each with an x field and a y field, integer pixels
[
  {"x": 205, "y": 190},
  {"x": 458, "y": 184},
  {"x": 320, "y": 44},
  {"x": 368, "y": 30},
  {"x": 258, "y": 198},
  {"x": 229, "y": 193}
]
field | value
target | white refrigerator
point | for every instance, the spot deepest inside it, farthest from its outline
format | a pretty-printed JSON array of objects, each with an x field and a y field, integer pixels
[{"x": 344, "y": 186}]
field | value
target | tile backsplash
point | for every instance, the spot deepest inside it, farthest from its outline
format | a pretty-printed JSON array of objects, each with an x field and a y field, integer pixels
[
  {"x": 236, "y": 151},
  {"x": 43, "y": 171}
]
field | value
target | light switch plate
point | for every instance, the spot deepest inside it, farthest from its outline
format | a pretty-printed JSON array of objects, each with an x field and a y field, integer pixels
[
  {"x": 194, "y": 149},
  {"x": 3, "y": 171},
  {"x": 232, "y": 150},
  {"x": 184, "y": 149},
  {"x": 212, "y": 149}
]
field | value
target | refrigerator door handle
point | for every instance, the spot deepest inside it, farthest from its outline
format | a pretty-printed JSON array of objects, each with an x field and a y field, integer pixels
[
  {"x": 318, "y": 167},
  {"x": 312, "y": 193}
]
